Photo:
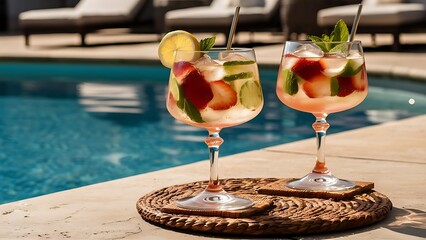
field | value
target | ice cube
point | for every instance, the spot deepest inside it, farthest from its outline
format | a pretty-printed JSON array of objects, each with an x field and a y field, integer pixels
[
  {"x": 204, "y": 60},
  {"x": 333, "y": 65},
  {"x": 210, "y": 69},
  {"x": 353, "y": 54},
  {"x": 309, "y": 50},
  {"x": 288, "y": 61},
  {"x": 231, "y": 56},
  {"x": 213, "y": 73},
  {"x": 210, "y": 115},
  {"x": 336, "y": 55}
]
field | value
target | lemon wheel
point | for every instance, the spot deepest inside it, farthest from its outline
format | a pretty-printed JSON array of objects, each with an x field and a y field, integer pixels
[{"x": 178, "y": 40}]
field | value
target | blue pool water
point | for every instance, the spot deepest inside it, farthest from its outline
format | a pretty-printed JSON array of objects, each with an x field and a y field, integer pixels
[{"x": 69, "y": 125}]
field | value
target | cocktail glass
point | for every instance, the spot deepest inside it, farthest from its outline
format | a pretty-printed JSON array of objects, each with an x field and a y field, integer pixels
[
  {"x": 312, "y": 81},
  {"x": 214, "y": 89}
]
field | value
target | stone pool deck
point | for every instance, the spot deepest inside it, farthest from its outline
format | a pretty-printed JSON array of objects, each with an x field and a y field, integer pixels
[
  {"x": 392, "y": 155},
  {"x": 120, "y": 47}
]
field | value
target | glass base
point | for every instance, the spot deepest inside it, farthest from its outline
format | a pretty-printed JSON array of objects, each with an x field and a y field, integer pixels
[
  {"x": 214, "y": 201},
  {"x": 321, "y": 182}
]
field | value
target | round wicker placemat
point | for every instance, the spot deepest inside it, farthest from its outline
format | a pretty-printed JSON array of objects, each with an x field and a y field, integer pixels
[{"x": 289, "y": 215}]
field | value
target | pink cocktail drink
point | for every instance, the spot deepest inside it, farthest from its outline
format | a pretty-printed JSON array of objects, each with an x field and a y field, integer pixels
[
  {"x": 322, "y": 85},
  {"x": 215, "y": 89},
  {"x": 215, "y": 93},
  {"x": 322, "y": 78}
]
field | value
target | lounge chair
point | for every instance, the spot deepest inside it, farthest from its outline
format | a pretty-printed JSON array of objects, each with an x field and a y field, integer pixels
[
  {"x": 161, "y": 7},
  {"x": 379, "y": 16},
  {"x": 300, "y": 16},
  {"x": 86, "y": 17},
  {"x": 255, "y": 15}
]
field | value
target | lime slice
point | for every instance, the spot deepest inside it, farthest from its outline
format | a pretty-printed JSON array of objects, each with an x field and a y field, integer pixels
[
  {"x": 174, "y": 88},
  {"x": 251, "y": 95},
  {"x": 234, "y": 63},
  {"x": 233, "y": 67},
  {"x": 240, "y": 70},
  {"x": 352, "y": 67},
  {"x": 334, "y": 87},
  {"x": 178, "y": 40},
  {"x": 241, "y": 75},
  {"x": 290, "y": 84}
]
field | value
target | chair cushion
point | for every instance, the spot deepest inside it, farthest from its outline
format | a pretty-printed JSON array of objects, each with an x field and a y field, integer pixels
[
  {"x": 200, "y": 16},
  {"x": 49, "y": 17},
  {"x": 108, "y": 11},
  {"x": 87, "y": 12},
  {"x": 378, "y": 15},
  {"x": 220, "y": 15}
]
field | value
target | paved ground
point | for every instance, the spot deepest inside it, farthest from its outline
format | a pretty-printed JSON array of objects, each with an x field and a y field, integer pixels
[
  {"x": 120, "y": 46},
  {"x": 391, "y": 155}
]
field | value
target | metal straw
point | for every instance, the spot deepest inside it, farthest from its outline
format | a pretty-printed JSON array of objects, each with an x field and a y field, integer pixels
[
  {"x": 233, "y": 27},
  {"x": 355, "y": 23}
]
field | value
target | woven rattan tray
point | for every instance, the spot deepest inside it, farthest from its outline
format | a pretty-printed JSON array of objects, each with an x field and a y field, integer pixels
[{"x": 288, "y": 215}]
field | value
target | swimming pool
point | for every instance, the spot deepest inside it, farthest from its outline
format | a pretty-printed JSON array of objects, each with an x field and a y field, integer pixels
[{"x": 68, "y": 125}]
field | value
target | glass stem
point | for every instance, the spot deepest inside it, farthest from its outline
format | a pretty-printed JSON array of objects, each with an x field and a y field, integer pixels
[
  {"x": 320, "y": 126},
  {"x": 213, "y": 142}
]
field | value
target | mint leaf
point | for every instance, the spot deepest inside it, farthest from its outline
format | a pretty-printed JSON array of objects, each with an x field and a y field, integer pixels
[
  {"x": 339, "y": 48},
  {"x": 183, "y": 103},
  {"x": 186, "y": 106},
  {"x": 192, "y": 111},
  {"x": 340, "y": 32},
  {"x": 325, "y": 38},
  {"x": 207, "y": 43},
  {"x": 319, "y": 42},
  {"x": 315, "y": 39}
]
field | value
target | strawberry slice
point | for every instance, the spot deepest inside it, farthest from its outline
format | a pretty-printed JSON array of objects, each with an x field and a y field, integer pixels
[
  {"x": 308, "y": 69},
  {"x": 182, "y": 68},
  {"x": 345, "y": 86},
  {"x": 224, "y": 96},
  {"x": 320, "y": 87},
  {"x": 197, "y": 90}
]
